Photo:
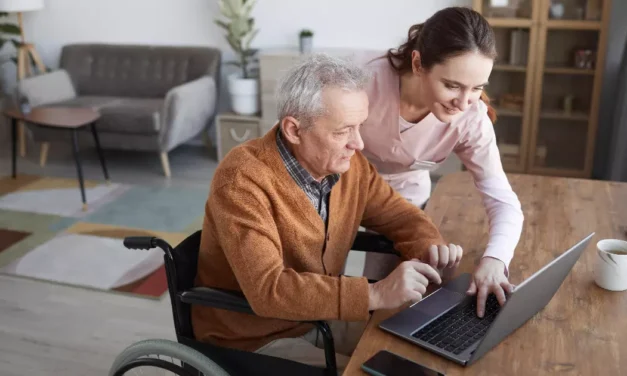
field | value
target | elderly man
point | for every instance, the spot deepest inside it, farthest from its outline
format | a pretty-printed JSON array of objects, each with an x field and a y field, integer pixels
[{"x": 282, "y": 213}]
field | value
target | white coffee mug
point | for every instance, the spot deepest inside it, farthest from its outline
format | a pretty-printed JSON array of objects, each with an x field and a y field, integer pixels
[{"x": 611, "y": 268}]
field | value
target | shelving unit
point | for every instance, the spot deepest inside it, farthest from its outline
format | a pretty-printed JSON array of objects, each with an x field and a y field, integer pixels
[{"x": 549, "y": 126}]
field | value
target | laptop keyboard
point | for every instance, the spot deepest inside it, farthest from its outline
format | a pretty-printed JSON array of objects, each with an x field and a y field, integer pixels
[{"x": 459, "y": 328}]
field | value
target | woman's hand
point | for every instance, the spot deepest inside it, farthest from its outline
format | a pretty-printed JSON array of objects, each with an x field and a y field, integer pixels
[{"x": 489, "y": 277}]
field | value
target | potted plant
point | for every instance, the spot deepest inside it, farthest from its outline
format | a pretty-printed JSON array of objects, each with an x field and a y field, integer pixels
[
  {"x": 243, "y": 86},
  {"x": 9, "y": 33},
  {"x": 306, "y": 41}
]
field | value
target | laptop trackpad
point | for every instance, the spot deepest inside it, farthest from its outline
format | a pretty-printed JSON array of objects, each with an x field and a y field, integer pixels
[{"x": 439, "y": 302}]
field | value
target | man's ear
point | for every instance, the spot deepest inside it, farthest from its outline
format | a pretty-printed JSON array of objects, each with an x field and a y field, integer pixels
[
  {"x": 290, "y": 128},
  {"x": 416, "y": 65}
]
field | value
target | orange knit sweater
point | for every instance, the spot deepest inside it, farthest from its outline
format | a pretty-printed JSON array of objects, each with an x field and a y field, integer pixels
[{"x": 262, "y": 236}]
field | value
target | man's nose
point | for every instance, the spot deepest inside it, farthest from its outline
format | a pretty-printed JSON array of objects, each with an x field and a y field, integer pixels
[{"x": 356, "y": 142}]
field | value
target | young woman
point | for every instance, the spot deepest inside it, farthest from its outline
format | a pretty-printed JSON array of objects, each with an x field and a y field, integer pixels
[{"x": 426, "y": 102}]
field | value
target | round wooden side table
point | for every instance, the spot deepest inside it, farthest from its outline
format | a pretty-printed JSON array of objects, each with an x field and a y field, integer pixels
[{"x": 63, "y": 119}]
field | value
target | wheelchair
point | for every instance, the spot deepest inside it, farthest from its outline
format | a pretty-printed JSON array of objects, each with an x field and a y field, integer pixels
[{"x": 189, "y": 357}]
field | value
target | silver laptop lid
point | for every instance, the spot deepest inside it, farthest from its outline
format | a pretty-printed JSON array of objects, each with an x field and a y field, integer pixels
[{"x": 530, "y": 297}]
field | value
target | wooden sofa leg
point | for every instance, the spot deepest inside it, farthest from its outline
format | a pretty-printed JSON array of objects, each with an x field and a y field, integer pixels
[
  {"x": 165, "y": 163},
  {"x": 43, "y": 153}
]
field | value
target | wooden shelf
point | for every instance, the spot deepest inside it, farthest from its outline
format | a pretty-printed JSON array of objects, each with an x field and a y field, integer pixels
[
  {"x": 509, "y": 68},
  {"x": 569, "y": 70},
  {"x": 510, "y": 22},
  {"x": 508, "y": 112},
  {"x": 573, "y": 25},
  {"x": 560, "y": 115}
]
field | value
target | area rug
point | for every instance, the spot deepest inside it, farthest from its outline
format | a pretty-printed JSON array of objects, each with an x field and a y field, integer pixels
[{"x": 45, "y": 234}]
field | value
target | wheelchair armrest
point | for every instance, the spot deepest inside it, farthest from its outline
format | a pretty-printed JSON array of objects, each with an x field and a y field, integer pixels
[
  {"x": 370, "y": 242},
  {"x": 217, "y": 298},
  {"x": 235, "y": 301}
]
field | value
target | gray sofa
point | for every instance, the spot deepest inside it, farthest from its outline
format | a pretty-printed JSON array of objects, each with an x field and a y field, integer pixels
[{"x": 151, "y": 98}]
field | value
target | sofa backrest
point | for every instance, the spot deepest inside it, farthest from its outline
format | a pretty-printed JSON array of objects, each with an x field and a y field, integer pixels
[{"x": 136, "y": 70}]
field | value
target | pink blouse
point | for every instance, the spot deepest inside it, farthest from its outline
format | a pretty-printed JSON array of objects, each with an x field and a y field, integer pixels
[{"x": 405, "y": 153}]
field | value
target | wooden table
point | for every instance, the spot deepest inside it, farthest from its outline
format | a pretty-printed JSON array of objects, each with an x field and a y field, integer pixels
[
  {"x": 60, "y": 118},
  {"x": 583, "y": 330}
]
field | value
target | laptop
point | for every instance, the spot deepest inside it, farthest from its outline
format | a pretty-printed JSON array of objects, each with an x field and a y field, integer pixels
[{"x": 446, "y": 322}]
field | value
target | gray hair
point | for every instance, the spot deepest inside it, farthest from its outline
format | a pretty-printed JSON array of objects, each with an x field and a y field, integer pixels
[{"x": 299, "y": 92}]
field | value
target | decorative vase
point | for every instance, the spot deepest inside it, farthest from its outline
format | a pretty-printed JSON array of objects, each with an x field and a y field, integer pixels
[
  {"x": 244, "y": 94},
  {"x": 557, "y": 10},
  {"x": 306, "y": 45}
]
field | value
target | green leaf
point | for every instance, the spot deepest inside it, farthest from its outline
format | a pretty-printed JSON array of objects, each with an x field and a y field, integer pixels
[
  {"x": 4, "y": 14},
  {"x": 16, "y": 43},
  {"x": 10, "y": 29},
  {"x": 229, "y": 4},
  {"x": 249, "y": 52},
  {"x": 222, "y": 24},
  {"x": 248, "y": 7},
  {"x": 250, "y": 39},
  {"x": 225, "y": 10},
  {"x": 237, "y": 6},
  {"x": 239, "y": 28},
  {"x": 234, "y": 44}
]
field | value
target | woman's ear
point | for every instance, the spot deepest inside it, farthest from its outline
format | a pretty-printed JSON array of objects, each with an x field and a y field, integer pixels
[
  {"x": 290, "y": 129},
  {"x": 416, "y": 65}
]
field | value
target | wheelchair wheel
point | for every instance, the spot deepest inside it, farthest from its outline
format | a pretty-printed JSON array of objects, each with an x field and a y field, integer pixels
[{"x": 163, "y": 357}]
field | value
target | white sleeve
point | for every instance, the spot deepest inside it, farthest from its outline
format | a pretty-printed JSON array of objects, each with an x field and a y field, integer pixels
[{"x": 479, "y": 153}]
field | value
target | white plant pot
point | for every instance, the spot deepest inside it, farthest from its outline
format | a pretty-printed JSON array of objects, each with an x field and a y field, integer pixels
[
  {"x": 244, "y": 94},
  {"x": 306, "y": 45}
]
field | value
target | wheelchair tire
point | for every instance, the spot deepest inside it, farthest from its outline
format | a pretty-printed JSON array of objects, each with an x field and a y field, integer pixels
[{"x": 201, "y": 363}]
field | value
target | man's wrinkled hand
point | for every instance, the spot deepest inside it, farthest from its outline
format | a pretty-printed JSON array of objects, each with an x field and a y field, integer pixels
[
  {"x": 445, "y": 256},
  {"x": 407, "y": 283}
]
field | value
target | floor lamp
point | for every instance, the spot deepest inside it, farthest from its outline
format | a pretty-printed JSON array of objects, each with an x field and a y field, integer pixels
[{"x": 26, "y": 53}]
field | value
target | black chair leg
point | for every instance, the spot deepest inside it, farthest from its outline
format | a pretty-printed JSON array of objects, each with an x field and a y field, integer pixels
[
  {"x": 103, "y": 164},
  {"x": 329, "y": 347},
  {"x": 14, "y": 147},
  {"x": 79, "y": 170}
]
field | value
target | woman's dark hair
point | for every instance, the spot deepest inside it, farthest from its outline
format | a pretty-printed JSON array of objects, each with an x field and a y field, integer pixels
[{"x": 448, "y": 33}]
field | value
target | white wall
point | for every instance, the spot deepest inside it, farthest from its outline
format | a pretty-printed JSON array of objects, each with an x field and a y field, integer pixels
[
  {"x": 336, "y": 23},
  {"x": 380, "y": 24}
]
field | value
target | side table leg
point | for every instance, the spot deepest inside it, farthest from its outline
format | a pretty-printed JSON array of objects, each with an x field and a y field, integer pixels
[
  {"x": 99, "y": 149},
  {"x": 78, "y": 166},
  {"x": 14, "y": 146}
]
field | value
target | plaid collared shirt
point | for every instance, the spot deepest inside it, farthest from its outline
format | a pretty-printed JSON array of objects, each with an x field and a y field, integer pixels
[{"x": 318, "y": 193}]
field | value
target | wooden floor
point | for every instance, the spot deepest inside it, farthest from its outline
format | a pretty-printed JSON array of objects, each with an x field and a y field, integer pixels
[{"x": 48, "y": 329}]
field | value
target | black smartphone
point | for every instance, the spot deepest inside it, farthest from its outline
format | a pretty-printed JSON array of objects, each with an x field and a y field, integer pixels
[{"x": 385, "y": 363}]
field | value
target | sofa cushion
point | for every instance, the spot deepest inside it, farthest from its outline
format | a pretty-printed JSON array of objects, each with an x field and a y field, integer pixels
[
  {"x": 136, "y": 71},
  {"x": 91, "y": 101},
  {"x": 131, "y": 115}
]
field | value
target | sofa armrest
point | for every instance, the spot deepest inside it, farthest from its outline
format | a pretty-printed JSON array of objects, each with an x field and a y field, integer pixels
[
  {"x": 47, "y": 88},
  {"x": 187, "y": 111}
]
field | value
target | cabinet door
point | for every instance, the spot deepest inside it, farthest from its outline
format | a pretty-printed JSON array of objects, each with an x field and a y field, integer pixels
[
  {"x": 568, "y": 81},
  {"x": 511, "y": 82}
]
